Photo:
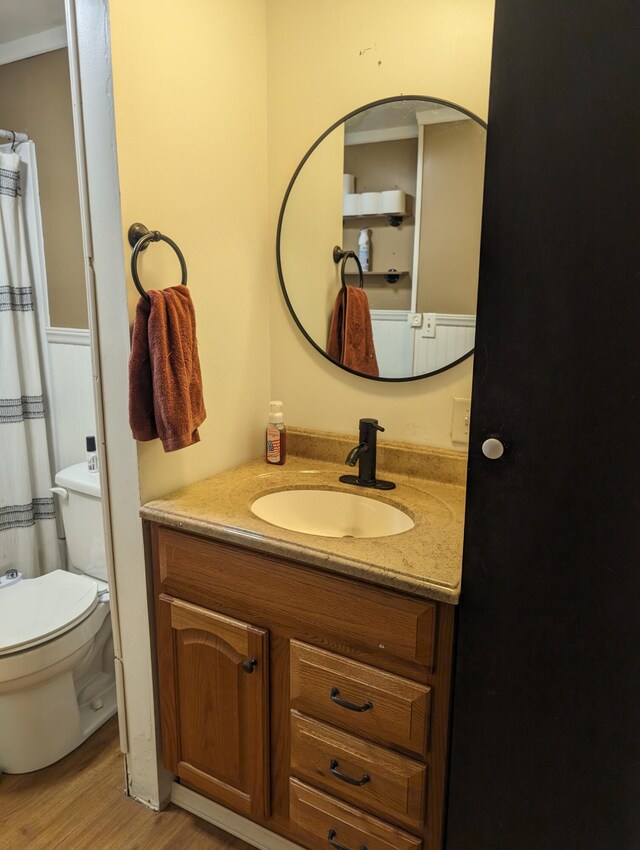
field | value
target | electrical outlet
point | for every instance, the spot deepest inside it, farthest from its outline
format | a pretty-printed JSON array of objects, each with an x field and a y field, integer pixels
[{"x": 460, "y": 416}]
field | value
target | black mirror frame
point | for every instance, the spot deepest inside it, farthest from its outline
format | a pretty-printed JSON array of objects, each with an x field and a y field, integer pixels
[{"x": 396, "y": 99}]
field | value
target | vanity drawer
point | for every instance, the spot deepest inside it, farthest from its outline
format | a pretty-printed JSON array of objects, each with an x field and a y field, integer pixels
[
  {"x": 378, "y": 622},
  {"x": 386, "y": 783},
  {"x": 322, "y": 819},
  {"x": 362, "y": 699}
]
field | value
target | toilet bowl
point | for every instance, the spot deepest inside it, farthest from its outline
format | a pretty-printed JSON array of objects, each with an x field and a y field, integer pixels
[{"x": 57, "y": 677}]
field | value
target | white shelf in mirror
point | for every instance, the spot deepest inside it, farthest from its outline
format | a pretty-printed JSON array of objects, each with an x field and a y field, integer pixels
[
  {"x": 378, "y": 274},
  {"x": 390, "y": 217}
]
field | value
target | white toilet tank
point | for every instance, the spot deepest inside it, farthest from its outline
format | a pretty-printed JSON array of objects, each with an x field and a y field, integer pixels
[{"x": 81, "y": 508}]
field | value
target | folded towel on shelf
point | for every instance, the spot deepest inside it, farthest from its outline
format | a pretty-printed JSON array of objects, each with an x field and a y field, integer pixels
[
  {"x": 165, "y": 384},
  {"x": 350, "y": 341}
]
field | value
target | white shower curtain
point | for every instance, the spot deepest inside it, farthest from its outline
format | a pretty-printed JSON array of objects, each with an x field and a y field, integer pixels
[{"x": 27, "y": 514}]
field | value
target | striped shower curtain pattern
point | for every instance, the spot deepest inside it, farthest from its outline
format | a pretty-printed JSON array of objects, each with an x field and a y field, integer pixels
[{"x": 27, "y": 513}]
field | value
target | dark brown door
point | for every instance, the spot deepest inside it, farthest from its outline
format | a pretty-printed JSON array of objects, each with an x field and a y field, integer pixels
[
  {"x": 214, "y": 705},
  {"x": 546, "y": 721}
]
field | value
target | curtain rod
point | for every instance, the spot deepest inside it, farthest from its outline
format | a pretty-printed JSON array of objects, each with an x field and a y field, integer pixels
[{"x": 8, "y": 135}]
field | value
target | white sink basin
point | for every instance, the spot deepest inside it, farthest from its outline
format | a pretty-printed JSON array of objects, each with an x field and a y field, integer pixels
[{"x": 331, "y": 513}]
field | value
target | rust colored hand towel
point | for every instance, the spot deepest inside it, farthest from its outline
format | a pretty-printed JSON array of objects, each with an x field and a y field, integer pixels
[
  {"x": 165, "y": 384},
  {"x": 350, "y": 340}
]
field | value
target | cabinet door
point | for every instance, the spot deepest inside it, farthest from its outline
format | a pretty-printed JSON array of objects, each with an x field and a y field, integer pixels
[{"x": 214, "y": 704}]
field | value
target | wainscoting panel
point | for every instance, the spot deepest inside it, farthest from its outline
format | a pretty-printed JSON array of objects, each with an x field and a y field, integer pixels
[
  {"x": 392, "y": 339},
  {"x": 442, "y": 339},
  {"x": 71, "y": 403},
  {"x": 403, "y": 350}
]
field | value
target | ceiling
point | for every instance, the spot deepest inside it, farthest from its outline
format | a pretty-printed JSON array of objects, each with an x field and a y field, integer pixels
[
  {"x": 402, "y": 113},
  {"x": 20, "y": 18}
]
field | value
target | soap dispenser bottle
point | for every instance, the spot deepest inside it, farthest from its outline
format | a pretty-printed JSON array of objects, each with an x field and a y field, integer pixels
[
  {"x": 364, "y": 250},
  {"x": 276, "y": 448}
]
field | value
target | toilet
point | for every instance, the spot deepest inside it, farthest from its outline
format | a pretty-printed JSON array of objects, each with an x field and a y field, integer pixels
[{"x": 57, "y": 677}]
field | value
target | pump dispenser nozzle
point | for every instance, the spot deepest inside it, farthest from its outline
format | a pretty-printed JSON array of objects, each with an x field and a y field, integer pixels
[{"x": 275, "y": 412}]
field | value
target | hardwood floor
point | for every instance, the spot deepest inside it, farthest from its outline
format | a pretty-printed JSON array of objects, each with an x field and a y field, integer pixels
[{"x": 79, "y": 803}]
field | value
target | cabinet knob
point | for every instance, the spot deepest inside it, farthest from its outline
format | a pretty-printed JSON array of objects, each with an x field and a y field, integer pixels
[
  {"x": 248, "y": 666},
  {"x": 492, "y": 449}
]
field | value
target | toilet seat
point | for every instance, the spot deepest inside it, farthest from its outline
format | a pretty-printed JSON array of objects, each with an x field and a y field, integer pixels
[
  {"x": 28, "y": 667},
  {"x": 37, "y": 610}
]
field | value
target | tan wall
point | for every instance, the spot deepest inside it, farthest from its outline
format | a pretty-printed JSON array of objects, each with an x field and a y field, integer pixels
[
  {"x": 35, "y": 98},
  {"x": 325, "y": 59},
  {"x": 452, "y": 217},
  {"x": 190, "y": 104}
]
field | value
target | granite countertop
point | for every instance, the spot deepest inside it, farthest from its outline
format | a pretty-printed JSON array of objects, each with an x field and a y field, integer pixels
[{"x": 425, "y": 561}]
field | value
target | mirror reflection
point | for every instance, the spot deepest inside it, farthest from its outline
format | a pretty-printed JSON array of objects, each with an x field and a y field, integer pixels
[{"x": 399, "y": 184}]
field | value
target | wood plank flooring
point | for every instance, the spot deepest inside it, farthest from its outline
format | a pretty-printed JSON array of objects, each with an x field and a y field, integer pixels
[{"x": 79, "y": 803}]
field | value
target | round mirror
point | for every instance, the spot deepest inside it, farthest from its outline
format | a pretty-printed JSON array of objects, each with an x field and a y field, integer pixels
[{"x": 378, "y": 239}]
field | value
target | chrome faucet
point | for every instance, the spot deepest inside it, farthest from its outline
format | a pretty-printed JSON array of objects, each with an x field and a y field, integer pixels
[{"x": 365, "y": 454}]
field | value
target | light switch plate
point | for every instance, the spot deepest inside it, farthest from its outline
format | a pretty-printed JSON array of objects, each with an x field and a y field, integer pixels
[
  {"x": 429, "y": 326},
  {"x": 460, "y": 416}
]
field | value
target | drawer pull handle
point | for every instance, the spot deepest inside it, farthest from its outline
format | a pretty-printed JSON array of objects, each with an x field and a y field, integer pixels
[
  {"x": 333, "y": 767},
  {"x": 335, "y": 845},
  {"x": 335, "y": 696},
  {"x": 248, "y": 665}
]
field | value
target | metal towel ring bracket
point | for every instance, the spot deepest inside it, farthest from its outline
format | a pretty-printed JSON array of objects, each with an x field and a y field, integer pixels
[
  {"x": 340, "y": 254},
  {"x": 139, "y": 238}
]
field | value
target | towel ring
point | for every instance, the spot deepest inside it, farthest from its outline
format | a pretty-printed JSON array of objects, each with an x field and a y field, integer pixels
[
  {"x": 139, "y": 238},
  {"x": 339, "y": 254}
]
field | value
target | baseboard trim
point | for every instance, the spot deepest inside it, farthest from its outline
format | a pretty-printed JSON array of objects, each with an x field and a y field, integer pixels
[{"x": 232, "y": 823}]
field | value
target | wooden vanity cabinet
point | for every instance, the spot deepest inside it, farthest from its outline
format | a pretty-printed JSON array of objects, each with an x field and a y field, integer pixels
[{"x": 314, "y": 704}]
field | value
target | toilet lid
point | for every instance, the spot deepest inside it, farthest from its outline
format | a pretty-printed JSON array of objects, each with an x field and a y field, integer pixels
[{"x": 37, "y": 609}]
